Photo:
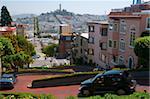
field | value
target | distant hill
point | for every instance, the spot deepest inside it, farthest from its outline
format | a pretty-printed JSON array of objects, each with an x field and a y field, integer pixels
[
  {"x": 23, "y": 16},
  {"x": 50, "y": 21}
]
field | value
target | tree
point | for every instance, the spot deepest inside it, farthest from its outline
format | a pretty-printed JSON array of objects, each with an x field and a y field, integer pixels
[
  {"x": 145, "y": 33},
  {"x": 36, "y": 25},
  {"x": 50, "y": 50},
  {"x": 5, "y": 17},
  {"x": 6, "y": 48},
  {"x": 17, "y": 60},
  {"x": 141, "y": 49}
]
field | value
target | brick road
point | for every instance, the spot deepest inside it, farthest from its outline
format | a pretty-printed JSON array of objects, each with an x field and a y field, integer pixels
[{"x": 60, "y": 92}]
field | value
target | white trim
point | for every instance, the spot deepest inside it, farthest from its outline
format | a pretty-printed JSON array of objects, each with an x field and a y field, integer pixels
[
  {"x": 122, "y": 41},
  {"x": 121, "y": 57}
]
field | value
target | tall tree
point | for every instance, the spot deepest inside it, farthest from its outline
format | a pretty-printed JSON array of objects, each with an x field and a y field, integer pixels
[
  {"x": 50, "y": 50},
  {"x": 36, "y": 25},
  {"x": 141, "y": 49},
  {"x": 5, "y": 17}
]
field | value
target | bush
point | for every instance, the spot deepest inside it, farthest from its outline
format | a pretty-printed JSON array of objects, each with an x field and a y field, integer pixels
[{"x": 25, "y": 96}]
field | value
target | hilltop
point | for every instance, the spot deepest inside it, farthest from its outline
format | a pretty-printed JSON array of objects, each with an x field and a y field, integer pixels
[{"x": 50, "y": 21}]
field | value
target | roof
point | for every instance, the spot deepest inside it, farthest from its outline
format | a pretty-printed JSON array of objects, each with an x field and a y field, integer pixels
[
  {"x": 113, "y": 72},
  {"x": 4, "y": 29},
  {"x": 64, "y": 24},
  {"x": 97, "y": 22},
  {"x": 85, "y": 35}
]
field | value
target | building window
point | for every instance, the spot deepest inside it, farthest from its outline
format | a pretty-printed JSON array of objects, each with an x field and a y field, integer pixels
[
  {"x": 148, "y": 23},
  {"x": 115, "y": 28},
  {"x": 110, "y": 26},
  {"x": 103, "y": 46},
  {"x": 81, "y": 51},
  {"x": 91, "y": 52},
  {"x": 81, "y": 42},
  {"x": 122, "y": 45},
  {"x": 110, "y": 43},
  {"x": 91, "y": 28},
  {"x": 123, "y": 26},
  {"x": 121, "y": 60},
  {"x": 91, "y": 40},
  {"x": 67, "y": 38},
  {"x": 115, "y": 44},
  {"x": 103, "y": 57},
  {"x": 132, "y": 36},
  {"x": 115, "y": 59},
  {"x": 104, "y": 31}
]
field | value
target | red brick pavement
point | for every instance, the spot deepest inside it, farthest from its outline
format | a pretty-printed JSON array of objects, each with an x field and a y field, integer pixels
[{"x": 60, "y": 92}]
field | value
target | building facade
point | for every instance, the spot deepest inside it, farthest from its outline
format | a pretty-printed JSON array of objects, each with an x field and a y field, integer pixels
[
  {"x": 97, "y": 44},
  {"x": 125, "y": 25},
  {"x": 65, "y": 40},
  {"x": 80, "y": 48}
]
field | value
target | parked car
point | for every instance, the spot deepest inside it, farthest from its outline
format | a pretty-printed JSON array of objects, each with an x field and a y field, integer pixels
[
  {"x": 6, "y": 84},
  {"x": 116, "y": 81},
  {"x": 11, "y": 77},
  {"x": 98, "y": 69}
]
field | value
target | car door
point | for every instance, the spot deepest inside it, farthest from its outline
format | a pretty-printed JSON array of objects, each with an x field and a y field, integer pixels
[
  {"x": 99, "y": 85},
  {"x": 111, "y": 82}
]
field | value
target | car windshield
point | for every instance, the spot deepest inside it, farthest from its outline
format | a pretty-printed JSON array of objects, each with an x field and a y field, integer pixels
[
  {"x": 94, "y": 78},
  {"x": 7, "y": 78}
]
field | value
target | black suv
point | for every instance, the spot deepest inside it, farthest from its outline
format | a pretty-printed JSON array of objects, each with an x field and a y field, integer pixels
[{"x": 117, "y": 81}]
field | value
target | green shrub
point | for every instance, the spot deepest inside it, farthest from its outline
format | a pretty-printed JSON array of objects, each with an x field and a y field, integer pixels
[{"x": 68, "y": 75}]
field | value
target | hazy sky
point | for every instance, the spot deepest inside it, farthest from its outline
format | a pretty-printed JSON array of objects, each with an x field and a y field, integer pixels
[{"x": 98, "y": 7}]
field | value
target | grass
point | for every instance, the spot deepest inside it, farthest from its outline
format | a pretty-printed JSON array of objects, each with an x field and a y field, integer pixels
[{"x": 136, "y": 95}]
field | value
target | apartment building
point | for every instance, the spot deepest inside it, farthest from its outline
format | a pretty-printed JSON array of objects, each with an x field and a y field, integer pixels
[
  {"x": 80, "y": 48},
  {"x": 97, "y": 45},
  {"x": 125, "y": 25},
  {"x": 65, "y": 40},
  {"x": 21, "y": 30}
]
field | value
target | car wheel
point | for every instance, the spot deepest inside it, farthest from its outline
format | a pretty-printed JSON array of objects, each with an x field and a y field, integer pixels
[
  {"x": 121, "y": 92},
  {"x": 86, "y": 92}
]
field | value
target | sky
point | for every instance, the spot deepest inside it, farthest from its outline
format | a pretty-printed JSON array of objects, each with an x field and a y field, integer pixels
[{"x": 97, "y": 7}]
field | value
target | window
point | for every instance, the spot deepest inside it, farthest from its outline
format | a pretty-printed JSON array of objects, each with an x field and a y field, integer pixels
[
  {"x": 121, "y": 60},
  {"x": 115, "y": 44},
  {"x": 110, "y": 26},
  {"x": 115, "y": 59},
  {"x": 115, "y": 28},
  {"x": 67, "y": 38},
  {"x": 91, "y": 40},
  {"x": 91, "y": 52},
  {"x": 91, "y": 28},
  {"x": 81, "y": 51},
  {"x": 104, "y": 31},
  {"x": 103, "y": 46},
  {"x": 132, "y": 36},
  {"x": 81, "y": 42},
  {"x": 148, "y": 23},
  {"x": 122, "y": 45},
  {"x": 123, "y": 27},
  {"x": 103, "y": 57},
  {"x": 110, "y": 43}
]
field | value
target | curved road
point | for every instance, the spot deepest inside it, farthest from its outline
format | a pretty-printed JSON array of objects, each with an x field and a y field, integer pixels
[{"x": 60, "y": 92}]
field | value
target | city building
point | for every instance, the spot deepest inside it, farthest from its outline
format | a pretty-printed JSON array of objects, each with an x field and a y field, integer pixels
[
  {"x": 80, "y": 48},
  {"x": 7, "y": 31},
  {"x": 65, "y": 40},
  {"x": 21, "y": 30},
  {"x": 97, "y": 44},
  {"x": 125, "y": 25}
]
